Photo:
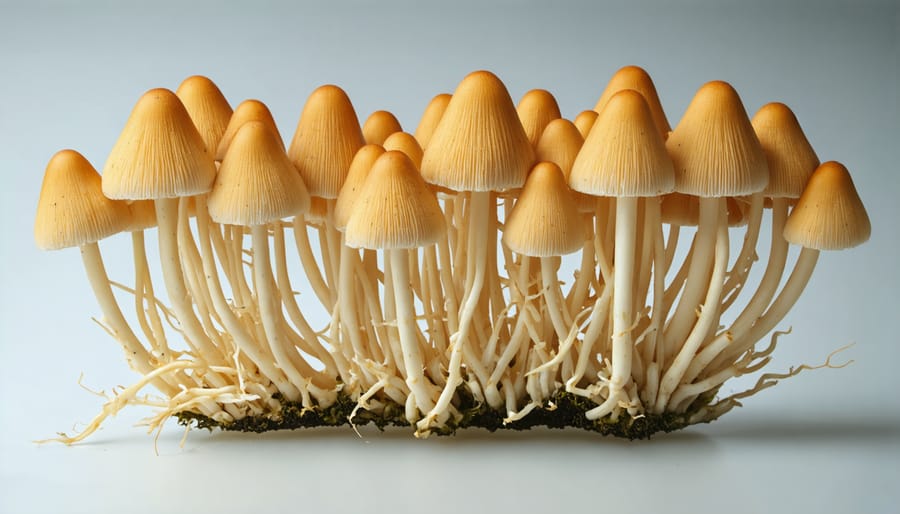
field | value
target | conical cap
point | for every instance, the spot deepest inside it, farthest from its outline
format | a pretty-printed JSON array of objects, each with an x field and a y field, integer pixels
[
  {"x": 159, "y": 153},
  {"x": 72, "y": 210},
  {"x": 327, "y": 138},
  {"x": 257, "y": 183},
  {"x": 715, "y": 151},
  {"x": 584, "y": 121},
  {"x": 479, "y": 145},
  {"x": 434, "y": 111},
  {"x": 623, "y": 155},
  {"x": 406, "y": 143},
  {"x": 143, "y": 215},
  {"x": 559, "y": 144},
  {"x": 829, "y": 214},
  {"x": 359, "y": 169},
  {"x": 395, "y": 209},
  {"x": 207, "y": 107},
  {"x": 536, "y": 109},
  {"x": 544, "y": 221},
  {"x": 378, "y": 126},
  {"x": 634, "y": 77},
  {"x": 790, "y": 157},
  {"x": 248, "y": 110}
]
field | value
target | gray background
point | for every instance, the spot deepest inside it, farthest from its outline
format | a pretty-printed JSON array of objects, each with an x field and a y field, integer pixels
[{"x": 825, "y": 441}]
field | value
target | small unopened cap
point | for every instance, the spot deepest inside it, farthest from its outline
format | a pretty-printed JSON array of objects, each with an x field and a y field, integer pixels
[
  {"x": 395, "y": 209},
  {"x": 634, "y": 77},
  {"x": 790, "y": 157},
  {"x": 248, "y": 110},
  {"x": 72, "y": 210},
  {"x": 378, "y": 126},
  {"x": 406, "y": 143},
  {"x": 829, "y": 214},
  {"x": 536, "y": 109},
  {"x": 359, "y": 169},
  {"x": 143, "y": 215},
  {"x": 207, "y": 107},
  {"x": 434, "y": 111},
  {"x": 584, "y": 121},
  {"x": 159, "y": 153},
  {"x": 257, "y": 183},
  {"x": 327, "y": 138},
  {"x": 544, "y": 221}
]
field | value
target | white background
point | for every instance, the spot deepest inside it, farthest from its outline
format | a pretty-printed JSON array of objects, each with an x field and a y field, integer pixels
[{"x": 825, "y": 441}]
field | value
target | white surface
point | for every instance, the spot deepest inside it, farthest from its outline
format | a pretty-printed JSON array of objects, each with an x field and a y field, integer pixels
[{"x": 825, "y": 441}]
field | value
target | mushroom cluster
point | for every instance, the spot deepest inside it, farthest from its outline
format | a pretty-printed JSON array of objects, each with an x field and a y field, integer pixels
[{"x": 437, "y": 256}]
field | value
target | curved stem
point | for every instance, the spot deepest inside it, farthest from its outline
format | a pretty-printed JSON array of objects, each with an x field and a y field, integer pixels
[{"x": 310, "y": 266}]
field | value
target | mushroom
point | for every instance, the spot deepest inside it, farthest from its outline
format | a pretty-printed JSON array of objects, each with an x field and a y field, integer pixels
[
  {"x": 584, "y": 121},
  {"x": 248, "y": 110},
  {"x": 395, "y": 212},
  {"x": 431, "y": 117},
  {"x": 636, "y": 78},
  {"x": 624, "y": 157},
  {"x": 378, "y": 126}
]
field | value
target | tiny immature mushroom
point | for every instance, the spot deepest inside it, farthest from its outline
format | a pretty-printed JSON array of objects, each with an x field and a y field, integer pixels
[{"x": 435, "y": 258}]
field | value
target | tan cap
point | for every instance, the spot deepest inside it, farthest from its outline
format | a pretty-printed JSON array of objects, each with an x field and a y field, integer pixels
[
  {"x": 359, "y": 169},
  {"x": 480, "y": 144},
  {"x": 378, "y": 126},
  {"x": 395, "y": 209},
  {"x": 715, "y": 151},
  {"x": 159, "y": 153},
  {"x": 327, "y": 138},
  {"x": 536, "y": 109},
  {"x": 143, "y": 215},
  {"x": 584, "y": 121},
  {"x": 72, "y": 210},
  {"x": 790, "y": 157},
  {"x": 559, "y": 144},
  {"x": 623, "y": 155},
  {"x": 257, "y": 183},
  {"x": 634, "y": 77},
  {"x": 207, "y": 107},
  {"x": 829, "y": 214},
  {"x": 544, "y": 221},
  {"x": 248, "y": 110},
  {"x": 406, "y": 143},
  {"x": 431, "y": 117},
  {"x": 684, "y": 210}
]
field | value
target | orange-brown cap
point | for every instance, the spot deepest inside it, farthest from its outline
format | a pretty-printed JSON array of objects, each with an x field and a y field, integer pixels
[
  {"x": 159, "y": 153},
  {"x": 584, "y": 121},
  {"x": 536, "y": 109},
  {"x": 406, "y": 143},
  {"x": 256, "y": 183},
  {"x": 395, "y": 209},
  {"x": 378, "y": 126},
  {"x": 715, "y": 151},
  {"x": 790, "y": 157},
  {"x": 207, "y": 107},
  {"x": 623, "y": 155},
  {"x": 72, "y": 210},
  {"x": 559, "y": 144},
  {"x": 684, "y": 210},
  {"x": 634, "y": 77},
  {"x": 544, "y": 221},
  {"x": 479, "y": 144},
  {"x": 829, "y": 214},
  {"x": 431, "y": 117},
  {"x": 327, "y": 138},
  {"x": 248, "y": 110},
  {"x": 359, "y": 169},
  {"x": 143, "y": 215}
]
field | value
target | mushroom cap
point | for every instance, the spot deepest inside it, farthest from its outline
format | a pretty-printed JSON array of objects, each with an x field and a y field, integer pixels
[
  {"x": 790, "y": 157},
  {"x": 395, "y": 209},
  {"x": 829, "y": 214},
  {"x": 207, "y": 107},
  {"x": 143, "y": 215},
  {"x": 318, "y": 211},
  {"x": 536, "y": 109},
  {"x": 159, "y": 153},
  {"x": 248, "y": 110},
  {"x": 623, "y": 155},
  {"x": 72, "y": 210},
  {"x": 327, "y": 138},
  {"x": 378, "y": 126},
  {"x": 584, "y": 121},
  {"x": 684, "y": 210},
  {"x": 257, "y": 183},
  {"x": 431, "y": 117},
  {"x": 359, "y": 169},
  {"x": 544, "y": 222},
  {"x": 715, "y": 151},
  {"x": 406, "y": 143},
  {"x": 636, "y": 78},
  {"x": 479, "y": 144}
]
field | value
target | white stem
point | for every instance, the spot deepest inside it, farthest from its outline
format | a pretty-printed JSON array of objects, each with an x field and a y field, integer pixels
[{"x": 310, "y": 266}]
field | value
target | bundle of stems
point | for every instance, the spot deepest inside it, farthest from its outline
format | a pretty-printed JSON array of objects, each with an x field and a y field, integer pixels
[{"x": 436, "y": 257}]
